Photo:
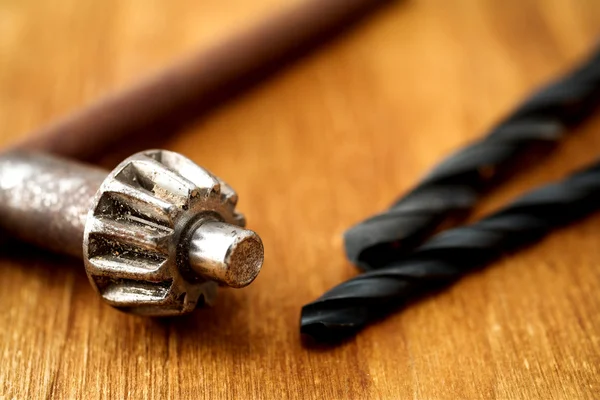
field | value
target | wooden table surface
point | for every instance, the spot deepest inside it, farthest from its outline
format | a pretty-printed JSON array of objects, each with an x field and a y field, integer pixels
[{"x": 317, "y": 148}]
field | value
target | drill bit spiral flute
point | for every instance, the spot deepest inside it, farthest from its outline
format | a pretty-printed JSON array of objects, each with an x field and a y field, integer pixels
[
  {"x": 454, "y": 186},
  {"x": 387, "y": 245}
]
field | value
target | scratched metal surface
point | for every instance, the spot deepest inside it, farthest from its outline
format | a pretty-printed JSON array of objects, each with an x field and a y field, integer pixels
[{"x": 33, "y": 189}]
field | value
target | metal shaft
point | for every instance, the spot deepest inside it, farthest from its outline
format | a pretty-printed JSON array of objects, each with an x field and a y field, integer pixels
[
  {"x": 180, "y": 93},
  {"x": 228, "y": 254},
  {"x": 45, "y": 200}
]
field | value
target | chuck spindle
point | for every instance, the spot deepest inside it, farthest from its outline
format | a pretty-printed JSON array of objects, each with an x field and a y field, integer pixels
[{"x": 157, "y": 235}]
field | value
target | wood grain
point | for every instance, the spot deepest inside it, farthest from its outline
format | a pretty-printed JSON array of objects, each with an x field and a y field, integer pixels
[{"x": 321, "y": 146}]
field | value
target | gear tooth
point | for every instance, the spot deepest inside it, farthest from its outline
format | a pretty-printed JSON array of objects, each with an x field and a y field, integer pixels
[
  {"x": 213, "y": 191},
  {"x": 185, "y": 167},
  {"x": 131, "y": 235},
  {"x": 163, "y": 182},
  {"x": 233, "y": 199},
  {"x": 239, "y": 219},
  {"x": 228, "y": 195},
  {"x": 125, "y": 293},
  {"x": 124, "y": 267},
  {"x": 119, "y": 199}
]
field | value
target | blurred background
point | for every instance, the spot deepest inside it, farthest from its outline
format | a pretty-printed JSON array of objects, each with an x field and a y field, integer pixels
[{"x": 325, "y": 142}]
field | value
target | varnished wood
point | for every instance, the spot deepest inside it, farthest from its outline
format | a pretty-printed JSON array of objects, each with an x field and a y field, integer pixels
[{"x": 323, "y": 145}]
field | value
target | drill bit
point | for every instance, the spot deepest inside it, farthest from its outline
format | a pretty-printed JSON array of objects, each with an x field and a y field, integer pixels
[
  {"x": 157, "y": 235},
  {"x": 452, "y": 188},
  {"x": 449, "y": 255}
]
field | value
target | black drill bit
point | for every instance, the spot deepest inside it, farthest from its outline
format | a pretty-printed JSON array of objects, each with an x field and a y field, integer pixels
[
  {"x": 453, "y": 187},
  {"x": 449, "y": 255}
]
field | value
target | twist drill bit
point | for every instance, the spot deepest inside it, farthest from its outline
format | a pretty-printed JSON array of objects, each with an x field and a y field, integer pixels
[
  {"x": 157, "y": 235},
  {"x": 452, "y": 187},
  {"x": 449, "y": 255}
]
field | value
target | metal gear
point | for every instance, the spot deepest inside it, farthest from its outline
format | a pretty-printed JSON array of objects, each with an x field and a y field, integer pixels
[{"x": 159, "y": 235}]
